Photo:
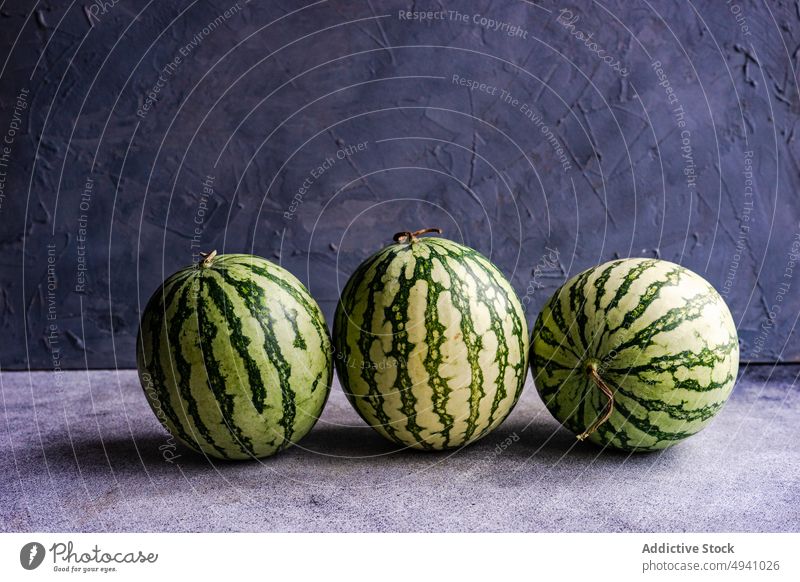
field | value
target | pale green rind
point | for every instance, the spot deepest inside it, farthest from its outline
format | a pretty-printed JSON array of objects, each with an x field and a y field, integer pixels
[
  {"x": 663, "y": 339},
  {"x": 431, "y": 344},
  {"x": 235, "y": 359}
]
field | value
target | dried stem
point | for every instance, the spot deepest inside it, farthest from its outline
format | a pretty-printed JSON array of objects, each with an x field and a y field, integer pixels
[
  {"x": 207, "y": 259},
  {"x": 411, "y": 237},
  {"x": 591, "y": 371}
]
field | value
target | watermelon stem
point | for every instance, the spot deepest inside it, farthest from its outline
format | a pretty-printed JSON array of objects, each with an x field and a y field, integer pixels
[
  {"x": 591, "y": 371},
  {"x": 207, "y": 259},
  {"x": 411, "y": 237}
]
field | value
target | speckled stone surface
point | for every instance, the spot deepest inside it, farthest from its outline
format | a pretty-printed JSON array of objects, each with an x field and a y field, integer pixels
[
  {"x": 500, "y": 121},
  {"x": 84, "y": 453}
]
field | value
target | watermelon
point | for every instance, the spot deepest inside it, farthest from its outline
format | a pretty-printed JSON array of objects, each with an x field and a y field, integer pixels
[
  {"x": 234, "y": 357},
  {"x": 431, "y": 343},
  {"x": 635, "y": 354}
]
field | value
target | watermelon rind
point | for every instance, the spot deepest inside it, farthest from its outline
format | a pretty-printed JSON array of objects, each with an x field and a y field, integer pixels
[
  {"x": 658, "y": 334},
  {"x": 431, "y": 343},
  {"x": 234, "y": 357}
]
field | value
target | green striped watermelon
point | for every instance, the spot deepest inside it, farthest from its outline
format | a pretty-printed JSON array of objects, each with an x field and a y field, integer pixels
[
  {"x": 637, "y": 354},
  {"x": 234, "y": 357},
  {"x": 431, "y": 343}
]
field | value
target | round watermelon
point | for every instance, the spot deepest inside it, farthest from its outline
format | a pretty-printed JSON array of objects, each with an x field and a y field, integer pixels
[
  {"x": 635, "y": 354},
  {"x": 431, "y": 343},
  {"x": 234, "y": 357}
]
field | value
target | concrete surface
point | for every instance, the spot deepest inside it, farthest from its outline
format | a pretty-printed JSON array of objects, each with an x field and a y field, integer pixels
[
  {"x": 83, "y": 452},
  {"x": 277, "y": 88}
]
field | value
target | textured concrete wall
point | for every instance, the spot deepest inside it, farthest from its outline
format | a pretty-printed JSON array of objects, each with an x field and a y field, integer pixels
[{"x": 136, "y": 134}]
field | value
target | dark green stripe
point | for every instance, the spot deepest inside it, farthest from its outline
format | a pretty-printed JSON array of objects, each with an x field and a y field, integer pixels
[
  {"x": 216, "y": 381},
  {"x": 476, "y": 267},
  {"x": 672, "y": 319},
  {"x": 647, "y": 298},
  {"x": 481, "y": 268},
  {"x": 544, "y": 334},
  {"x": 183, "y": 314},
  {"x": 239, "y": 341},
  {"x": 316, "y": 383},
  {"x": 600, "y": 284},
  {"x": 673, "y": 363},
  {"x": 609, "y": 430},
  {"x": 435, "y": 338},
  {"x": 298, "y": 294},
  {"x": 549, "y": 365},
  {"x": 291, "y": 316},
  {"x": 253, "y": 297},
  {"x": 563, "y": 326},
  {"x": 590, "y": 392},
  {"x": 351, "y": 295},
  {"x": 309, "y": 306},
  {"x": 674, "y": 411},
  {"x": 153, "y": 325},
  {"x": 459, "y": 292},
  {"x": 397, "y": 314},
  {"x": 628, "y": 280},
  {"x": 577, "y": 305}
]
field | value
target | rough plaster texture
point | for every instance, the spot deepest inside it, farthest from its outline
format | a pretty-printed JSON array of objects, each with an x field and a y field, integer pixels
[
  {"x": 90, "y": 456},
  {"x": 559, "y": 150}
]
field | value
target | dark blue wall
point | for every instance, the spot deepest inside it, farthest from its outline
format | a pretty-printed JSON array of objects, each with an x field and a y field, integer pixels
[{"x": 680, "y": 143}]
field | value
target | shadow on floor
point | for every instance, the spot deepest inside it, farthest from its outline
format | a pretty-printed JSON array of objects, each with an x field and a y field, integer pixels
[
  {"x": 353, "y": 442},
  {"x": 325, "y": 444},
  {"x": 512, "y": 440},
  {"x": 91, "y": 454}
]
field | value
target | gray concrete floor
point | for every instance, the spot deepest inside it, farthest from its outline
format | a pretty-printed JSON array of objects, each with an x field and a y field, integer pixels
[{"x": 84, "y": 453}]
